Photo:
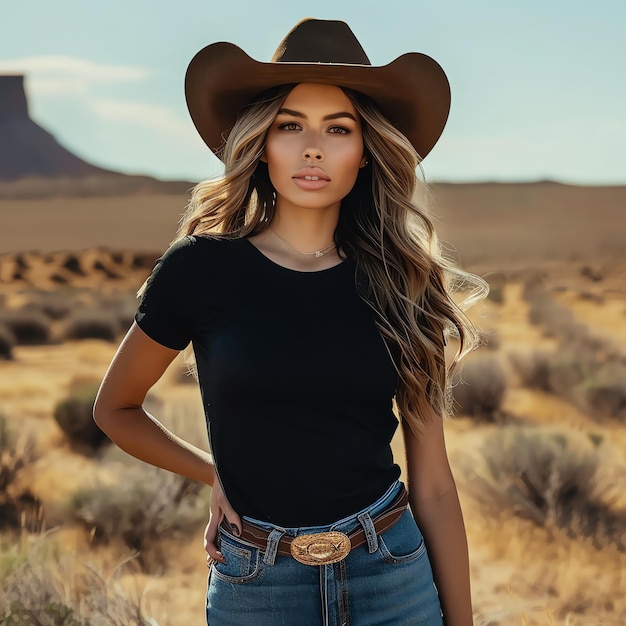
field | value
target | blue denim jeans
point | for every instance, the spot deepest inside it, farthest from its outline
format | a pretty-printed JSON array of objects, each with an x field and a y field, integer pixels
[{"x": 387, "y": 581}]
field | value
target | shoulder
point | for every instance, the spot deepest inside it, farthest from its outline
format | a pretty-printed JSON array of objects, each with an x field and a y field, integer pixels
[
  {"x": 189, "y": 263},
  {"x": 200, "y": 249},
  {"x": 206, "y": 259},
  {"x": 190, "y": 245}
]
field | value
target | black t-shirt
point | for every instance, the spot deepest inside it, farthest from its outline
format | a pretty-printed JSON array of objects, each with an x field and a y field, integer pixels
[{"x": 296, "y": 380}]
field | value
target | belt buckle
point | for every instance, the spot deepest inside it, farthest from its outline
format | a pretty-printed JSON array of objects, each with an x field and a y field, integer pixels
[{"x": 320, "y": 548}]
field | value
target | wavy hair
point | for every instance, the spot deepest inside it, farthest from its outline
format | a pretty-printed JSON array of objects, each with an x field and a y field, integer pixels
[
  {"x": 242, "y": 202},
  {"x": 401, "y": 271}
]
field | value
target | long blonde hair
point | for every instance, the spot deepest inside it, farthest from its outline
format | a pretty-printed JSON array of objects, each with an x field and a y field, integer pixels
[{"x": 401, "y": 272}]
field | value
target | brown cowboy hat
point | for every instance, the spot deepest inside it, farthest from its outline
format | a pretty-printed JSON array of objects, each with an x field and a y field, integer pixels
[{"x": 412, "y": 91}]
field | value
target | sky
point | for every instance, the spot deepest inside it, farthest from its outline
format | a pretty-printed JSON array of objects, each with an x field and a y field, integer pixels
[{"x": 538, "y": 86}]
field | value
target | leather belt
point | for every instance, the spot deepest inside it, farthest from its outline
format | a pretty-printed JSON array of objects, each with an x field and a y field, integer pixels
[{"x": 325, "y": 547}]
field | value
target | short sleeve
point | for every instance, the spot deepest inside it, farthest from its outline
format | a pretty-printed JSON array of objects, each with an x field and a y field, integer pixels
[{"x": 166, "y": 309}]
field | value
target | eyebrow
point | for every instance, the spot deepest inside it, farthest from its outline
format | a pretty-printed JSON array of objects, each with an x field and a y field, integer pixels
[{"x": 332, "y": 116}]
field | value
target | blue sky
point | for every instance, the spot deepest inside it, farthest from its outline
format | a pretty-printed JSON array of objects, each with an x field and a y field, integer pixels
[{"x": 538, "y": 86}]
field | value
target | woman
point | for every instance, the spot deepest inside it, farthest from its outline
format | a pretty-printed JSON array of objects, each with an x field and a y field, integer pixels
[{"x": 314, "y": 294}]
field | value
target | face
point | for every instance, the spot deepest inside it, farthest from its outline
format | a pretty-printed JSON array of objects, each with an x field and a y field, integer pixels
[{"x": 314, "y": 148}]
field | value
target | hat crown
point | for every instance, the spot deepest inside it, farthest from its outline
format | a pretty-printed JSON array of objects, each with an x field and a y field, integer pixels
[{"x": 321, "y": 41}]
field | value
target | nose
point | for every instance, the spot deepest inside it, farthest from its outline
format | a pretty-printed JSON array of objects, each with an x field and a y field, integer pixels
[{"x": 313, "y": 154}]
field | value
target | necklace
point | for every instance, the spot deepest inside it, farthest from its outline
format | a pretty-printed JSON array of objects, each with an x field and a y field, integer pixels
[{"x": 315, "y": 253}]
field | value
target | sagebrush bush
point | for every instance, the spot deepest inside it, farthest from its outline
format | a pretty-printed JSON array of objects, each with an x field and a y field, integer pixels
[
  {"x": 143, "y": 508},
  {"x": 554, "y": 477},
  {"x": 17, "y": 451},
  {"x": 556, "y": 320},
  {"x": 605, "y": 390},
  {"x": 7, "y": 342},
  {"x": 592, "y": 273},
  {"x": 583, "y": 376},
  {"x": 559, "y": 321},
  {"x": 39, "y": 590},
  {"x": 568, "y": 369},
  {"x": 30, "y": 328},
  {"x": 74, "y": 415},
  {"x": 92, "y": 324},
  {"x": 481, "y": 388},
  {"x": 56, "y": 306},
  {"x": 532, "y": 368},
  {"x": 585, "y": 369}
]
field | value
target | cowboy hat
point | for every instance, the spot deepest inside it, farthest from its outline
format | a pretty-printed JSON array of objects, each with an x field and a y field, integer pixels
[{"x": 412, "y": 91}]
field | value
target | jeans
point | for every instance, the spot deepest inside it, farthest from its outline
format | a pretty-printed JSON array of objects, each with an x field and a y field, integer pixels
[{"x": 387, "y": 581}]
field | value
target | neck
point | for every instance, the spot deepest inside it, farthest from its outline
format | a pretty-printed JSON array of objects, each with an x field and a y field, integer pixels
[{"x": 305, "y": 229}]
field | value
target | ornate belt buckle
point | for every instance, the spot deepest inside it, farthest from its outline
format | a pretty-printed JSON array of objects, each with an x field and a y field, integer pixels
[{"x": 320, "y": 548}]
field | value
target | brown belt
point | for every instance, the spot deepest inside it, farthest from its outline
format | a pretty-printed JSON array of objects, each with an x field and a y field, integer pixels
[{"x": 326, "y": 547}]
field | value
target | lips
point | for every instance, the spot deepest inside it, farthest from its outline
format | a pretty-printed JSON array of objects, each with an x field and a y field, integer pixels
[{"x": 311, "y": 178}]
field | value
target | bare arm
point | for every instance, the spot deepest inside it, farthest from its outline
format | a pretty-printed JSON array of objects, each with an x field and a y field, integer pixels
[
  {"x": 435, "y": 504},
  {"x": 118, "y": 411}
]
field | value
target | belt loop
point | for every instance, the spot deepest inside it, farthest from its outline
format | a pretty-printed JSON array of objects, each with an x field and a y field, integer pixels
[
  {"x": 272, "y": 546},
  {"x": 370, "y": 531}
]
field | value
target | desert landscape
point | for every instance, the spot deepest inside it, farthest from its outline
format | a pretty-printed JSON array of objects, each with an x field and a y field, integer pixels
[
  {"x": 537, "y": 445},
  {"x": 91, "y": 536}
]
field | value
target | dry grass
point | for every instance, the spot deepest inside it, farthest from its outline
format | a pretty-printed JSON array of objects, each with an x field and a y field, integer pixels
[
  {"x": 140, "y": 505},
  {"x": 530, "y": 579},
  {"x": 584, "y": 376},
  {"x": 17, "y": 451},
  {"x": 586, "y": 368},
  {"x": 145, "y": 507},
  {"x": 557, "y": 478},
  {"x": 604, "y": 310},
  {"x": 41, "y": 588}
]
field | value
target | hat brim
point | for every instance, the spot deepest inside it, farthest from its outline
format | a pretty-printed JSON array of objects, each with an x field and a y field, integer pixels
[{"x": 412, "y": 91}]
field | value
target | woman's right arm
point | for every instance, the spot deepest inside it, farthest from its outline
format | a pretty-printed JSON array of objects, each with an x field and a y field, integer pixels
[
  {"x": 118, "y": 411},
  {"x": 137, "y": 365}
]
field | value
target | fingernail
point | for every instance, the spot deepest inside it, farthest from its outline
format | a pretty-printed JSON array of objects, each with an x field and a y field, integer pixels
[{"x": 236, "y": 531}]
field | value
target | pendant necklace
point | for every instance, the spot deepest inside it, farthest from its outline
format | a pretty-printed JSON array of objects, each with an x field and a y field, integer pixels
[{"x": 316, "y": 253}]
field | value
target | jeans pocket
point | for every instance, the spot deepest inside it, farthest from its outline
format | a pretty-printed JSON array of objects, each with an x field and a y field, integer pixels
[
  {"x": 403, "y": 542},
  {"x": 243, "y": 562}
]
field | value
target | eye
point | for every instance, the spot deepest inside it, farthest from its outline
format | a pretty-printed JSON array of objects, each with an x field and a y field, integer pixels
[
  {"x": 338, "y": 130},
  {"x": 289, "y": 126}
]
